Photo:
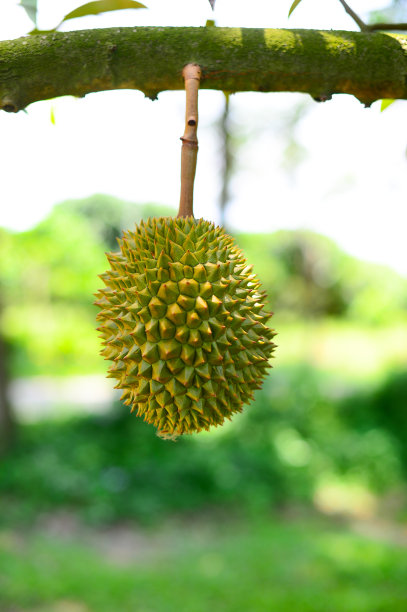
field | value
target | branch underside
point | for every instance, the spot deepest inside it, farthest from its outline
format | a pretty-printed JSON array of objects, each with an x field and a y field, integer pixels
[{"x": 368, "y": 65}]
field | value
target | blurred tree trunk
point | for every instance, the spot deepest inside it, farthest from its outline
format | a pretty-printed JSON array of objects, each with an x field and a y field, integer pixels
[
  {"x": 227, "y": 161},
  {"x": 7, "y": 424}
]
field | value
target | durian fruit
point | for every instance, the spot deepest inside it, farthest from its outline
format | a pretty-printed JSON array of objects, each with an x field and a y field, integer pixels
[{"x": 183, "y": 322}]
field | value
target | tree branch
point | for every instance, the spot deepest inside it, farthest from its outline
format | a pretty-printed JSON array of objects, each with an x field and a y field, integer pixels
[
  {"x": 354, "y": 15},
  {"x": 386, "y": 27},
  {"x": 365, "y": 27},
  {"x": 367, "y": 65}
]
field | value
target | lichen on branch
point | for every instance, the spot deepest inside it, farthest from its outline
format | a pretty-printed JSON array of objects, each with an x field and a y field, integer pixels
[{"x": 368, "y": 65}]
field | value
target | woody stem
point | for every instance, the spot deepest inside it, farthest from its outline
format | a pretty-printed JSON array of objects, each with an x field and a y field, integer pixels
[{"x": 189, "y": 151}]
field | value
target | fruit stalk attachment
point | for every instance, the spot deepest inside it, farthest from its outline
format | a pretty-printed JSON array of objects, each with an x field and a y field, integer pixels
[{"x": 192, "y": 75}]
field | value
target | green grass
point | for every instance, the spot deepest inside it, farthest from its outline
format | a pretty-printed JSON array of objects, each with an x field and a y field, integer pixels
[{"x": 233, "y": 566}]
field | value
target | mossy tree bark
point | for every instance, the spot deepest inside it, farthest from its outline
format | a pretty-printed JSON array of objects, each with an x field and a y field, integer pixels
[{"x": 368, "y": 65}]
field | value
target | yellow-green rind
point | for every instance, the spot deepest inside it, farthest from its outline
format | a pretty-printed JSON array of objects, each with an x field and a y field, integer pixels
[{"x": 183, "y": 322}]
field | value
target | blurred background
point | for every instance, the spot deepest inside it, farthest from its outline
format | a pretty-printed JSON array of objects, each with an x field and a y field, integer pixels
[{"x": 307, "y": 488}]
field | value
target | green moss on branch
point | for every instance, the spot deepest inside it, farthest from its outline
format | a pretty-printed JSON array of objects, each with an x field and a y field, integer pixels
[{"x": 367, "y": 65}]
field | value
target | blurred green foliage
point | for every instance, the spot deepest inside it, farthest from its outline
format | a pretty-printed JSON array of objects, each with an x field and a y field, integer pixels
[
  {"x": 307, "y": 431},
  {"x": 295, "y": 436},
  {"x": 48, "y": 275},
  {"x": 109, "y": 216},
  {"x": 384, "y": 410},
  {"x": 307, "y": 275}
]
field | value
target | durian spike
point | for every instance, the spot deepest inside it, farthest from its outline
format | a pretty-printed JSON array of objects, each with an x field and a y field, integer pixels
[{"x": 192, "y": 75}]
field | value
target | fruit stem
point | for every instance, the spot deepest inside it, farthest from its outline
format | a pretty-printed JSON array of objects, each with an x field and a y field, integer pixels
[{"x": 192, "y": 75}]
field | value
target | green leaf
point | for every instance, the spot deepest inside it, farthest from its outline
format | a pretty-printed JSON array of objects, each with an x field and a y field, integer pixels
[
  {"x": 102, "y": 6},
  {"x": 30, "y": 7},
  {"x": 293, "y": 6},
  {"x": 386, "y": 103}
]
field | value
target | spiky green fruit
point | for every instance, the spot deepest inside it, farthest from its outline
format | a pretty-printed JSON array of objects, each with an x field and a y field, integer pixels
[{"x": 182, "y": 320}]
